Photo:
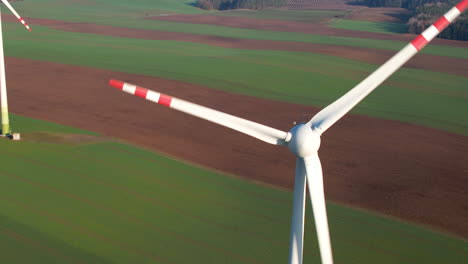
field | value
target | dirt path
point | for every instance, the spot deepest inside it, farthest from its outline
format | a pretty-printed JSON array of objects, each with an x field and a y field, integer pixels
[
  {"x": 421, "y": 61},
  {"x": 407, "y": 171}
]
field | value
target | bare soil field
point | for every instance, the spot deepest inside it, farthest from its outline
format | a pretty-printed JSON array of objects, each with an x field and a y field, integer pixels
[
  {"x": 421, "y": 61},
  {"x": 402, "y": 170}
]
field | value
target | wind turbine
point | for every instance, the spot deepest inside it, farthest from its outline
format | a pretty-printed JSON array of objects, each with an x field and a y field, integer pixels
[
  {"x": 303, "y": 140},
  {"x": 3, "y": 90}
]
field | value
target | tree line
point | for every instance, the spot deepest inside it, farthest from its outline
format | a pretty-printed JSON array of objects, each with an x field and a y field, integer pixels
[
  {"x": 426, "y": 12},
  {"x": 235, "y": 4}
]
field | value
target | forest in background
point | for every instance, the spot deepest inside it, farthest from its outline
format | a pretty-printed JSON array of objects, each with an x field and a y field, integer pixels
[{"x": 426, "y": 12}]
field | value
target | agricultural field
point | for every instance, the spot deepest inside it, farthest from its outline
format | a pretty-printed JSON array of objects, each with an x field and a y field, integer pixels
[
  {"x": 102, "y": 177},
  {"x": 378, "y": 27},
  {"x": 72, "y": 196},
  {"x": 309, "y": 16}
]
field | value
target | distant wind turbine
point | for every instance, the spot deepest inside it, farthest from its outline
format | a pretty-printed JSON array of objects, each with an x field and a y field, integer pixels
[
  {"x": 3, "y": 89},
  {"x": 303, "y": 140}
]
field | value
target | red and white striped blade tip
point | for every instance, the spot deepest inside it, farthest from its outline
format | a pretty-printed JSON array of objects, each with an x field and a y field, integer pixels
[
  {"x": 24, "y": 24},
  {"x": 462, "y": 5},
  {"x": 425, "y": 37},
  {"x": 117, "y": 84}
]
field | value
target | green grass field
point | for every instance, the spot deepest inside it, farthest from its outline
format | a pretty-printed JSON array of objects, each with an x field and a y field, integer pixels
[
  {"x": 101, "y": 201},
  {"x": 101, "y": 9},
  {"x": 378, "y": 27}
]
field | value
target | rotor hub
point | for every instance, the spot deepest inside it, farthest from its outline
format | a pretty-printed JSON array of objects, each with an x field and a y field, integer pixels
[{"x": 304, "y": 141}]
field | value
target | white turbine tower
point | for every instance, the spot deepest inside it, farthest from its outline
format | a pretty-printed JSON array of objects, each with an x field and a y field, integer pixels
[
  {"x": 3, "y": 90},
  {"x": 304, "y": 139}
]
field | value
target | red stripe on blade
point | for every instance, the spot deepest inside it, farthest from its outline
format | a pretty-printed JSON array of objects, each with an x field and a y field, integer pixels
[
  {"x": 462, "y": 5},
  {"x": 419, "y": 42},
  {"x": 24, "y": 23},
  {"x": 441, "y": 23},
  {"x": 141, "y": 92},
  {"x": 116, "y": 84},
  {"x": 165, "y": 100}
]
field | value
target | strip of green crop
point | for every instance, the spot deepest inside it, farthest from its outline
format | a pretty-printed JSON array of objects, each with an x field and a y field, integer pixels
[
  {"x": 86, "y": 9},
  {"x": 378, "y": 27}
]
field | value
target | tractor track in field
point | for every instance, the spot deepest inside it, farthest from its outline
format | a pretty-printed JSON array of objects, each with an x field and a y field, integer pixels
[
  {"x": 410, "y": 172},
  {"x": 428, "y": 62}
]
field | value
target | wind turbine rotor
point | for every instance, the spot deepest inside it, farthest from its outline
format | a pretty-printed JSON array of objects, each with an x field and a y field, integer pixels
[
  {"x": 305, "y": 143},
  {"x": 304, "y": 139}
]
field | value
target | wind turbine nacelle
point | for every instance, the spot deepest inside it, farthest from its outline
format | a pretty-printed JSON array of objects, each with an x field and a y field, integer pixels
[{"x": 304, "y": 141}]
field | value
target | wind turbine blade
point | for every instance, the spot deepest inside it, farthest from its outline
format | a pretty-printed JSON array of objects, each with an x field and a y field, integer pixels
[
  {"x": 256, "y": 130},
  {"x": 298, "y": 214},
  {"x": 313, "y": 170},
  {"x": 332, "y": 113},
  {"x": 16, "y": 14}
]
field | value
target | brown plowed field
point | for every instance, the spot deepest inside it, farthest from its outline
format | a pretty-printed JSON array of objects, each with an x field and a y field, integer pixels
[
  {"x": 421, "y": 61},
  {"x": 411, "y": 172}
]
